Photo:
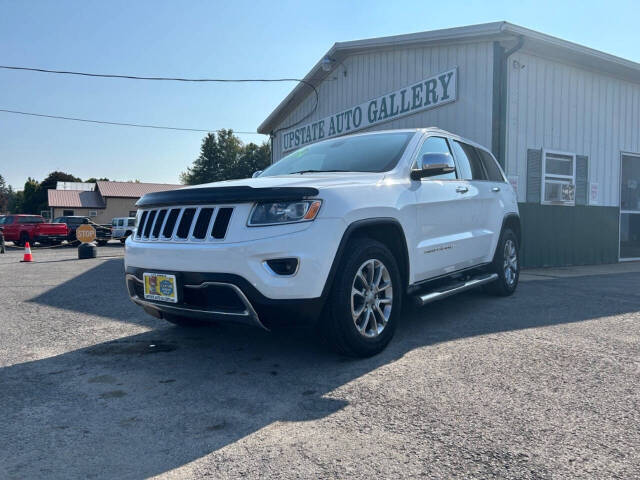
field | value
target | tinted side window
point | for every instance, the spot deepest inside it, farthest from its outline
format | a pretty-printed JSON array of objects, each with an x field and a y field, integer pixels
[
  {"x": 121, "y": 222},
  {"x": 490, "y": 165},
  {"x": 132, "y": 222},
  {"x": 469, "y": 161},
  {"x": 436, "y": 145}
]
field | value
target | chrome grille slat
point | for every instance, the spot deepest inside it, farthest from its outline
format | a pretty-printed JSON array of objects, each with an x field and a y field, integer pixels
[{"x": 215, "y": 230}]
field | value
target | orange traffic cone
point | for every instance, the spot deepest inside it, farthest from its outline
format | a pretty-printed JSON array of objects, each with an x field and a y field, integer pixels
[{"x": 27, "y": 253}]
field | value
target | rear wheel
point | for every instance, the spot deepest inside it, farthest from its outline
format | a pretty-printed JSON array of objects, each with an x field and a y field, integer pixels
[
  {"x": 24, "y": 238},
  {"x": 506, "y": 263},
  {"x": 365, "y": 301}
]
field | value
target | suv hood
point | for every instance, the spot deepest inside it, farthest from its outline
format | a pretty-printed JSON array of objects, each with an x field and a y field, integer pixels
[{"x": 317, "y": 180}]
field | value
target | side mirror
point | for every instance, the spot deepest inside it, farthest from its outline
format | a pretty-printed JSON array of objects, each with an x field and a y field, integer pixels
[
  {"x": 256, "y": 173},
  {"x": 433, "y": 164}
]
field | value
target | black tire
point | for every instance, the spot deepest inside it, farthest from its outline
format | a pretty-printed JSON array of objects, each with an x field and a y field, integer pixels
[
  {"x": 24, "y": 238},
  {"x": 506, "y": 283},
  {"x": 187, "y": 321},
  {"x": 338, "y": 326},
  {"x": 122, "y": 240}
]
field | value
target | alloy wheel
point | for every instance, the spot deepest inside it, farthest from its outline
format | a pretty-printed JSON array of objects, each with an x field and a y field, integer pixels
[
  {"x": 371, "y": 298},
  {"x": 510, "y": 262}
]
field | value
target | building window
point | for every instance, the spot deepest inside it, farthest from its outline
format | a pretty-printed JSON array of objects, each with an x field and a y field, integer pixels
[
  {"x": 67, "y": 213},
  {"x": 93, "y": 213},
  {"x": 132, "y": 213},
  {"x": 558, "y": 178}
]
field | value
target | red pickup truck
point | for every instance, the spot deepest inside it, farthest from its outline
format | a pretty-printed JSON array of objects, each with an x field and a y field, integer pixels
[{"x": 20, "y": 229}]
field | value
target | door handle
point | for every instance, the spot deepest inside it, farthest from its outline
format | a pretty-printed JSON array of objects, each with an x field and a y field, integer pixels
[
  {"x": 462, "y": 189},
  {"x": 495, "y": 189}
]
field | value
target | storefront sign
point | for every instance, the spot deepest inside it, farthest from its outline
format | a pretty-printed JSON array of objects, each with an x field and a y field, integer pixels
[{"x": 426, "y": 94}]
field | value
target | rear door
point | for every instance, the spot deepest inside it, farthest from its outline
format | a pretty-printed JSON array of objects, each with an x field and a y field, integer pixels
[
  {"x": 443, "y": 219},
  {"x": 483, "y": 203}
]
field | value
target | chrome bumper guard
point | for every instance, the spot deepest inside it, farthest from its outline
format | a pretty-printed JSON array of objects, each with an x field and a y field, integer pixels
[{"x": 248, "y": 317}]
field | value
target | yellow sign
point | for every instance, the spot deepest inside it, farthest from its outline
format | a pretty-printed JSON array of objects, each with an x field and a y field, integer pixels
[
  {"x": 86, "y": 233},
  {"x": 160, "y": 287}
]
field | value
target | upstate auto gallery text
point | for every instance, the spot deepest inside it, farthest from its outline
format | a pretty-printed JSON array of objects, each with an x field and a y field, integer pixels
[{"x": 428, "y": 93}]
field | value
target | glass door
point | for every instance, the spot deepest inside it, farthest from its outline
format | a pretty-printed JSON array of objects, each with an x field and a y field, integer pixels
[{"x": 629, "y": 207}]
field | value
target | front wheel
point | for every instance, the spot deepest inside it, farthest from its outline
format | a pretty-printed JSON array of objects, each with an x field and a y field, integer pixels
[
  {"x": 365, "y": 301},
  {"x": 506, "y": 263}
]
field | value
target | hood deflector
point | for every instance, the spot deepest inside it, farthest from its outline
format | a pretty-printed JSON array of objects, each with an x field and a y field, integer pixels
[{"x": 217, "y": 195}]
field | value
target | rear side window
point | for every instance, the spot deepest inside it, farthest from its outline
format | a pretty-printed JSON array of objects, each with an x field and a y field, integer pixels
[
  {"x": 121, "y": 222},
  {"x": 132, "y": 222},
  {"x": 469, "y": 162},
  {"x": 490, "y": 166},
  {"x": 436, "y": 145},
  {"x": 30, "y": 220}
]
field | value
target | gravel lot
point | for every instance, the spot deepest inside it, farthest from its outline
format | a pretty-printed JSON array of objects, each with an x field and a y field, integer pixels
[{"x": 540, "y": 385}]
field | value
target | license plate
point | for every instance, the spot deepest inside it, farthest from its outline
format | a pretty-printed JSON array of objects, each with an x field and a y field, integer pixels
[{"x": 161, "y": 287}]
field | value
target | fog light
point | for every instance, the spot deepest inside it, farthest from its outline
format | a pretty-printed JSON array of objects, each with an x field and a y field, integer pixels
[{"x": 283, "y": 266}]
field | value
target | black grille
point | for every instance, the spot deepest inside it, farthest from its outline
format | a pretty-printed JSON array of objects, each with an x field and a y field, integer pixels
[
  {"x": 171, "y": 222},
  {"x": 147, "y": 227},
  {"x": 158, "y": 225},
  {"x": 219, "y": 229},
  {"x": 185, "y": 222},
  {"x": 143, "y": 219},
  {"x": 194, "y": 220},
  {"x": 200, "y": 230},
  {"x": 213, "y": 297}
]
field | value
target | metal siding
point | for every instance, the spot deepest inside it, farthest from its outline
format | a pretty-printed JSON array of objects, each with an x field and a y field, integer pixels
[
  {"x": 562, "y": 107},
  {"x": 376, "y": 73}
]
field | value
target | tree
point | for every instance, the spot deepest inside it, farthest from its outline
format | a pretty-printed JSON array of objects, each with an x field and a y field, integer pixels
[
  {"x": 7, "y": 196},
  {"x": 94, "y": 180},
  {"x": 41, "y": 201},
  {"x": 28, "y": 202},
  {"x": 224, "y": 157}
]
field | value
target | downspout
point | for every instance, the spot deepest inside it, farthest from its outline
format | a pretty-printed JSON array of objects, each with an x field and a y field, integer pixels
[
  {"x": 272, "y": 137},
  {"x": 500, "y": 98}
]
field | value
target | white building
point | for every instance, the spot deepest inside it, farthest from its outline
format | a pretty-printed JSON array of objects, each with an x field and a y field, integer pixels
[{"x": 562, "y": 119}]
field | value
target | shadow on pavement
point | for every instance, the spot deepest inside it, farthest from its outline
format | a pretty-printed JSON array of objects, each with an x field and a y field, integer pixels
[{"x": 145, "y": 404}]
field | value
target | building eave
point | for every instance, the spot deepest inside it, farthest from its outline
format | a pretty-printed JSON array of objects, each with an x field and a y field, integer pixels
[{"x": 535, "y": 42}]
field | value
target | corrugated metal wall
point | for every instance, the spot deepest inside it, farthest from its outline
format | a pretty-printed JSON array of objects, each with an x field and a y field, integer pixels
[
  {"x": 373, "y": 74},
  {"x": 557, "y": 106}
]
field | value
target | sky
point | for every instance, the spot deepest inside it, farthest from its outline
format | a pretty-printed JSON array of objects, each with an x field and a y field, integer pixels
[{"x": 230, "y": 39}]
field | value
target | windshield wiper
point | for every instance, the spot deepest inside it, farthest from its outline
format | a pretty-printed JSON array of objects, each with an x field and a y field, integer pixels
[{"x": 318, "y": 171}]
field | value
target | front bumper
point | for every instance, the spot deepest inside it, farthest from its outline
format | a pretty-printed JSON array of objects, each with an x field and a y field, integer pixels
[
  {"x": 315, "y": 248},
  {"x": 221, "y": 297}
]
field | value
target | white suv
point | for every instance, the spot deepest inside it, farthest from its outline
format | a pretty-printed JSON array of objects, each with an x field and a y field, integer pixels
[{"x": 341, "y": 232}]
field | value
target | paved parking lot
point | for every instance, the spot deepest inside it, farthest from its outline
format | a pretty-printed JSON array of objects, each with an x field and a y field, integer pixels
[{"x": 540, "y": 385}]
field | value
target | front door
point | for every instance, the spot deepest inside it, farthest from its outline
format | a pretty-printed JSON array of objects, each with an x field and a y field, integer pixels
[
  {"x": 629, "y": 207},
  {"x": 445, "y": 213}
]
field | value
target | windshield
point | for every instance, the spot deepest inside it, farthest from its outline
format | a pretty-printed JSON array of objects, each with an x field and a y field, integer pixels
[{"x": 377, "y": 152}]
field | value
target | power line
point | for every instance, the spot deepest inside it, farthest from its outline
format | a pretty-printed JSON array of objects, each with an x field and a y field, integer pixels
[
  {"x": 123, "y": 124},
  {"x": 180, "y": 79}
]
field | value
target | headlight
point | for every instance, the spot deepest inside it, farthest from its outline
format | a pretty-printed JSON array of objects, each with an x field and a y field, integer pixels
[{"x": 277, "y": 213}]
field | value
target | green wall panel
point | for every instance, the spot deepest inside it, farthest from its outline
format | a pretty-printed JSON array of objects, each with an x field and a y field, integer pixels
[{"x": 554, "y": 235}]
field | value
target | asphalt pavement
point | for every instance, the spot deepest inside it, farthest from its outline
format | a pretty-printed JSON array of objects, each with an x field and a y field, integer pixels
[{"x": 543, "y": 384}]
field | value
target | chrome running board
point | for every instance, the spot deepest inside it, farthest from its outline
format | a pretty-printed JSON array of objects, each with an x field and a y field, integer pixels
[{"x": 443, "y": 293}]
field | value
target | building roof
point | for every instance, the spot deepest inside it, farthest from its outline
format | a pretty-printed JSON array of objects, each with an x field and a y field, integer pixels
[
  {"x": 132, "y": 189},
  {"x": 75, "y": 186},
  {"x": 74, "y": 198},
  {"x": 508, "y": 33}
]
